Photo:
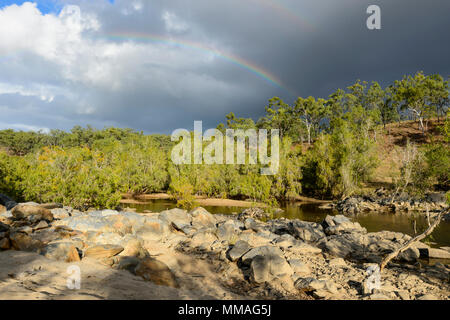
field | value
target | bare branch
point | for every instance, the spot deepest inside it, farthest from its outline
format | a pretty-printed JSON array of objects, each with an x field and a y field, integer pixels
[{"x": 410, "y": 243}]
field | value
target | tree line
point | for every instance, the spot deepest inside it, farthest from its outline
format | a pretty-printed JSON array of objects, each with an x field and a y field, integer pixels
[{"x": 328, "y": 150}]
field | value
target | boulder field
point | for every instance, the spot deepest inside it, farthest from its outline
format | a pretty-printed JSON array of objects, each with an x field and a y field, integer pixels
[{"x": 179, "y": 254}]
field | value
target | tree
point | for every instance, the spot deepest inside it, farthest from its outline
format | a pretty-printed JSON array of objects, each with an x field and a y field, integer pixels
[
  {"x": 311, "y": 112},
  {"x": 419, "y": 94},
  {"x": 388, "y": 108},
  {"x": 279, "y": 115}
]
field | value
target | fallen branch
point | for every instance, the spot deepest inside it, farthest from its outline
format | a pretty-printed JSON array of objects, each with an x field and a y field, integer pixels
[{"x": 409, "y": 244}]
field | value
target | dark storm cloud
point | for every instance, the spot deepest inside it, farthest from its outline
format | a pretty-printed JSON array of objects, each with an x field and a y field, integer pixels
[{"x": 313, "y": 47}]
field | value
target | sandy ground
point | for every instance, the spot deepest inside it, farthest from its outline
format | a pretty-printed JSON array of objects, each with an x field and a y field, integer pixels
[
  {"x": 202, "y": 201},
  {"x": 29, "y": 276}
]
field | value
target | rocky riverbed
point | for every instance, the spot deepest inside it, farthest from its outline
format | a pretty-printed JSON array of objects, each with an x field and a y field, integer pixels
[
  {"x": 176, "y": 254},
  {"x": 384, "y": 201}
]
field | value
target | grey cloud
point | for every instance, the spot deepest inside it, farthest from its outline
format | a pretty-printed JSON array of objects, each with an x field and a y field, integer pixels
[{"x": 326, "y": 47}]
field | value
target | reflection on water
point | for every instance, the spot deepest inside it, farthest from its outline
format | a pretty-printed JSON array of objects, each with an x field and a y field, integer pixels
[{"x": 373, "y": 222}]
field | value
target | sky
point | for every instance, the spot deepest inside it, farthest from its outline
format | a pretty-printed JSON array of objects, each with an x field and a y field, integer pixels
[{"x": 158, "y": 65}]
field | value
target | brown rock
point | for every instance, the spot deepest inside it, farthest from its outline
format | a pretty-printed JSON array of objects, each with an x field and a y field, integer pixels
[
  {"x": 3, "y": 227},
  {"x": 51, "y": 206},
  {"x": 41, "y": 225},
  {"x": 22, "y": 211},
  {"x": 61, "y": 251},
  {"x": 72, "y": 255},
  {"x": 23, "y": 242},
  {"x": 5, "y": 244},
  {"x": 103, "y": 251},
  {"x": 157, "y": 272}
]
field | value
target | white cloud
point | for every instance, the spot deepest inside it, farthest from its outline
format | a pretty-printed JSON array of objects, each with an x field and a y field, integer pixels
[
  {"x": 173, "y": 23},
  {"x": 67, "y": 69}
]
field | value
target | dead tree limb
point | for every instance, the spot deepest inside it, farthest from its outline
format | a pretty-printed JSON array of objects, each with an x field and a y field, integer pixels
[{"x": 409, "y": 244}]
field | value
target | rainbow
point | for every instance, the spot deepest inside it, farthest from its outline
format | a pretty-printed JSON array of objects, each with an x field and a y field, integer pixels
[
  {"x": 287, "y": 13},
  {"x": 238, "y": 61}
]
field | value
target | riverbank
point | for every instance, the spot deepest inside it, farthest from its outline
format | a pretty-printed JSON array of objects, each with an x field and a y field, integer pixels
[{"x": 195, "y": 255}]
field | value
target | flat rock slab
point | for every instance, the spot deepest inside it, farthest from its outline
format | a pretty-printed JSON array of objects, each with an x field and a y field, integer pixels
[{"x": 103, "y": 251}]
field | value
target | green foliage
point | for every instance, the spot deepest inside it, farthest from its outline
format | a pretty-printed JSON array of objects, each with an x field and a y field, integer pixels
[{"x": 87, "y": 167}]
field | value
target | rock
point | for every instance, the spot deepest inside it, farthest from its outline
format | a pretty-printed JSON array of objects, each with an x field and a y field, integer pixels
[
  {"x": 261, "y": 251},
  {"x": 105, "y": 221},
  {"x": 133, "y": 247},
  {"x": 60, "y": 213},
  {"x": 62, "y": 251},
  {"x": 378, "y": 296},
  {"x": 409, "y": 255},
  {"x": 2, "y": 209},
  {"x": 436, "y": 197},
  {"x": 265, "y": 268},
  {"x": 4, "y": 227},
  {"x": 157, "y": 272},
  {"x": 306, "y": 231},
  {"x": 7, "y": 202},
  {"x": 204, "y": 236},
  {"x": 403, "y": 294},
  {"x": 337, "y": 262},
  {"x": 228, "y": 231},
  {"x": 127, "y": 263},
  {"x": 202, "y": 218},
  {"x": 298, "y": 267},
  {"x": 41, "y": 225},
  {"x": 51, "y": 206},
  {"x": 253, "y": 213},
  {"x": 324, "y": 287},
  {"x": 153, "y": 229},
  {"x": 437, "y": 253},
  {"x": 177, "y": 217},
  {"x": 428, "y": 297},
  {"x": 335, "y": 225},
  {"x": 22, "y": 211},
  {"x": 239, "y": 249},
  {"x": 23, "y": 242},
  {"x": 103, "y": 251},
  {"x": 5, "y": 244}
]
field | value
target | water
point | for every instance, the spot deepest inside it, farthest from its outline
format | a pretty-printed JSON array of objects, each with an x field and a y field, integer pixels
[{"x": 373, "y": 222}]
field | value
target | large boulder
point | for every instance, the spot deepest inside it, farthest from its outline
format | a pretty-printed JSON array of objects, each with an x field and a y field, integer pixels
[
  {"x": 152, "y": 229},
  {"x": 201, "y": 218},
  {"x": 32, "y": 212},
  {"x": 23, "y": 242},
  {"x": 306, "y": 231},
  {"x": 228, "y": 230},
  {"x": 265, "y": 268},
  {"x": 157, "y": 272},
  {"x": 62, "y": 251},
  {"x": 261, "y": 251},
  {"x": 178, "y": 218}
]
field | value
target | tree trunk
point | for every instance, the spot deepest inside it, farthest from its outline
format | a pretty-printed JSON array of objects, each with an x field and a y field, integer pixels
[{"x": 409, "y": 244}]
